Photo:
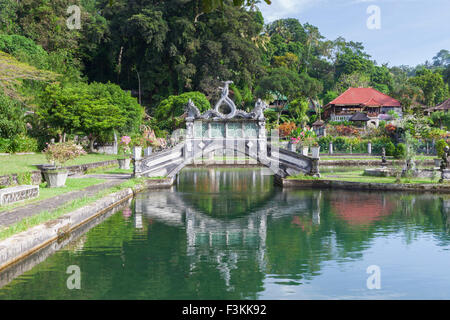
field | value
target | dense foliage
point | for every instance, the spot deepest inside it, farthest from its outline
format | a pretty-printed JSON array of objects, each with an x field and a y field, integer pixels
[{"x": 159, "y": 54}]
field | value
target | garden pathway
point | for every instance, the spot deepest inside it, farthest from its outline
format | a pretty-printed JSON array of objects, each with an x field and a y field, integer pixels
[{"x": 10, "y": 217}]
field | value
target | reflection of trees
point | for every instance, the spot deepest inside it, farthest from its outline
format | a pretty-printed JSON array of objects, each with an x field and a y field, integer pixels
[{"x": 297, "y": 253}]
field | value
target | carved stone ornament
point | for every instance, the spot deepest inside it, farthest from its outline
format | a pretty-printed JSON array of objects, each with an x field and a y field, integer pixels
[{"x": 256, "y": 114}]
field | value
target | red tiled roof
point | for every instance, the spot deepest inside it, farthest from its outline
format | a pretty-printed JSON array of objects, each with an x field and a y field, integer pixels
[{"x": 366, "y": 97}]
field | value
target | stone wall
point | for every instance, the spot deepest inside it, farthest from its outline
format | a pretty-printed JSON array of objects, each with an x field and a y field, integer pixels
[
  {"x": 37, "y": 178},
  {"x": 13, "y": 179},
  {"x": 369, "y": 186}
]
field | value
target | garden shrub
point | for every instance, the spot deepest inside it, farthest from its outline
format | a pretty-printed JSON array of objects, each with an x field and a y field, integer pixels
[
  {"x": 400, "y": 151},
  {"x": 340, "y": 144},
  {"x": 286, "y": 128},
  {"x": 379, "y": 143},
  {"x": 440, "y": 145},
  {"x": 5, "y": 145},
  {"x": 390, "y": 149},
  {"x": 23, "y": 143},
  {"x": 324, "y": 142}
]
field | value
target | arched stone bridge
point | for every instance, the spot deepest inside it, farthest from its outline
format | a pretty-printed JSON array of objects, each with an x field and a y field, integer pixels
[
  {"x": 169, "y": 162},
  {"x": 226, "y": 128}
]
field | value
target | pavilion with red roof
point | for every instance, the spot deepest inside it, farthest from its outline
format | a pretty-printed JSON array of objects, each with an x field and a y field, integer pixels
[{"x": 373, "y": 103}]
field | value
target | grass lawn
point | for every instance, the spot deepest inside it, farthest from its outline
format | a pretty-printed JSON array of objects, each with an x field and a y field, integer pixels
[
  {"x": 72, "y": 184},
  {"x": 71, "y": 206},
  {"x": 357, "y": 176},
  {"x": 25, "y": 163}
]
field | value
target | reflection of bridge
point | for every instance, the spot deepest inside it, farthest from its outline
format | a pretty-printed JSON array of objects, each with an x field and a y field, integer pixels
[
  {"x": 239, "y": 132},
  {"x": 221, "y": 238}
]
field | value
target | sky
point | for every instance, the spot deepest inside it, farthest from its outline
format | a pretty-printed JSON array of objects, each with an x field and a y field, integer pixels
[{"x": 410, "y": 31}]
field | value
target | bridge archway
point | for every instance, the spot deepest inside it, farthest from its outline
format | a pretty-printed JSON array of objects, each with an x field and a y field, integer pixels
[{"x": 242, "y": 132}]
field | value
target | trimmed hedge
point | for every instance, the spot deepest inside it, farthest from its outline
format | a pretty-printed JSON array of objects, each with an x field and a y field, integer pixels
[{"x": 342, "y": 144}]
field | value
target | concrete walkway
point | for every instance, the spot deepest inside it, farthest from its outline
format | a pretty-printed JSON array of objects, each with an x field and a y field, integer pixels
[{"x": 8, "y": 218}]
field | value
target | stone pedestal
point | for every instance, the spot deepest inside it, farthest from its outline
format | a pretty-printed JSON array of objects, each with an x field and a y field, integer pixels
[
  {"x": 148, "y": 151},
  {"x": 55, "y": 179},
  {"x": 124, "y": 163},
  {"x": 292, "y": 147},
  {"x": 305, "y": 150},
  {"x": 315, "y": 168},
  {"x": 315, "y": 152}
]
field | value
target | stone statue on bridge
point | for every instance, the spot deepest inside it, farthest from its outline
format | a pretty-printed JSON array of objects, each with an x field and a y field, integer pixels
[
  {"x": 191, "y": 111},
  {"x": 258, "y": 111}
]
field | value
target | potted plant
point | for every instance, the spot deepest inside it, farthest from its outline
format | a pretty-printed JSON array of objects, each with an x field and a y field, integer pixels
[
  {"x": 297, "y": 136},
  {"x": 58, "y": 154},
  {"x": 148, "y": 147},
  {"x": 292, "y": 146},
  {"x": 138, "y": 143},
  {"x": 305, "y": 150},
  {"x": 315, "y": 150},
  {"x": 149, "y": 140},
  {"x": 308, "y": 140},
  {"x": 124, "y": 153}
]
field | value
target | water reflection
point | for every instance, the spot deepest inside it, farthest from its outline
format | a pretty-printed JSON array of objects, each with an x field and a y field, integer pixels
[{"x": 224, "y": 234}]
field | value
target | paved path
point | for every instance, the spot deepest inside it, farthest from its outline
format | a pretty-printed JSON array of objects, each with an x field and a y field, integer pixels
[{"x": 8, "y": 218}]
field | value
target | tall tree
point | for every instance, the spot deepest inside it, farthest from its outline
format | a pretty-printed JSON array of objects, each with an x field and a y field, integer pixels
[{"x": 432, "y": 85}]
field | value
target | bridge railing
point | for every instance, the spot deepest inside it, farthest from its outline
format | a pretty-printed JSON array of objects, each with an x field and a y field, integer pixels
[
  {"x": 293, "y": 163},
  {"x": 159, "y": 163}
]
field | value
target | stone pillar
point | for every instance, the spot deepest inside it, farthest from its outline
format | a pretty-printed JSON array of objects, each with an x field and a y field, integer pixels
[
  {"x": 115, "y": 146},
  {"x": 262, "y": 140},
  {"x": 137, "y": 171},
  {"x": 330, "y": 148},
  {"x": 188, "y": 149},
  {"x": 315, "y": 168},
  {"x": 137, "y": 153},
  {"x": 369, "y": 147}
]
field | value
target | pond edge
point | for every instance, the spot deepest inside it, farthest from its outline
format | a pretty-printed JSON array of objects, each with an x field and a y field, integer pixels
[
  {"x": 21, "y": 245},
  {"x": 353, "y": 185}
]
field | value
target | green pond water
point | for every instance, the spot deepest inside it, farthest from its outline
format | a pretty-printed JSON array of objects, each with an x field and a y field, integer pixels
[{"x": 230, "y": 234}]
